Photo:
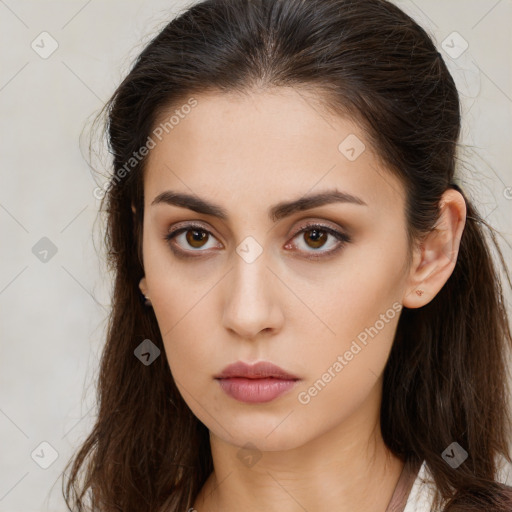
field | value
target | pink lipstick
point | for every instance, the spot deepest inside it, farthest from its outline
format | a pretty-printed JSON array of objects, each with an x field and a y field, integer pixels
[{"x": 255, "y": 383}]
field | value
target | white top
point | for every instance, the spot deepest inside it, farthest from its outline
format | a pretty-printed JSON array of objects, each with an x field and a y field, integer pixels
[
  {"x": 421, "y": 497},
  {"x": 422, "y": 492}
]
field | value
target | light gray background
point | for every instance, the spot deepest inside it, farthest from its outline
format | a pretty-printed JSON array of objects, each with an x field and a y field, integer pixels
[{"x": 52, "y": 313}]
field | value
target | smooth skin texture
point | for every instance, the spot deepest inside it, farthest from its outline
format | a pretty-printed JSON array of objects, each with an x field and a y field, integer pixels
[{"x": 246, "y": 153}]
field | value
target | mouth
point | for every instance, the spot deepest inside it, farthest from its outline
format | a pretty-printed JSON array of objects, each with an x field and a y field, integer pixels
[{"x": 257, "y": 383}]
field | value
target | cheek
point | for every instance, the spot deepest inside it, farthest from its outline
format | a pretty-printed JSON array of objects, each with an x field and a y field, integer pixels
[
  {"x": 189, "y": 348},
  {"x": 352, "y": 296},
  {"x": 184, "y": 319},
  {"x": 344, "y": 368},
  {"x": 360, "y": 305},
  {"x": 189, "y": 325},
  {"x": 176, "y": 287},
  {"x": 354, "y": 351}
]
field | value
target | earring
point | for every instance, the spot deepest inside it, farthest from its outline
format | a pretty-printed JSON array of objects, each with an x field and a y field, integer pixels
[
  {"x": 146, "y": 300},
  {"x": 419, "y": 292}
]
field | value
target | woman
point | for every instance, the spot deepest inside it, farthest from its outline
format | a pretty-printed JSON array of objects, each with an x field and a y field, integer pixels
[{"x": 306, "y": 313}]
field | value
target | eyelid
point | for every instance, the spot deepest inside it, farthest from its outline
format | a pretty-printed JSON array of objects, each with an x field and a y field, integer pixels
[
  {"x": 186, "y": 225},
  {"x": 311, "y": 224}
]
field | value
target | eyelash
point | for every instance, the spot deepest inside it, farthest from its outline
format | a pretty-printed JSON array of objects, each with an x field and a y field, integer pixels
[{"x": 342, "y": 238}]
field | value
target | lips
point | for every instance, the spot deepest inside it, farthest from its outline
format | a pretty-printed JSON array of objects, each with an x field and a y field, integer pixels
[
  {"x": 256, "y": 383},
  {"x": 260, "y": 370}
]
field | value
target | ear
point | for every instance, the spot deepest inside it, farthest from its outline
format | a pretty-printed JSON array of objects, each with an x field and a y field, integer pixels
[
  {"x": 134, "y": 210},
  {"x": 143, "y": 286},
  {"x": 436, "y": 256}
]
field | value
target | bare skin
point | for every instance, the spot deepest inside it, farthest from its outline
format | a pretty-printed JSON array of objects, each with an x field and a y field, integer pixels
[{"x": 311, "y": 450}]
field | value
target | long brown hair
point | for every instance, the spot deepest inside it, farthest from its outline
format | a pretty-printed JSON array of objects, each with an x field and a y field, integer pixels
[{"x": 446, "y": 377}]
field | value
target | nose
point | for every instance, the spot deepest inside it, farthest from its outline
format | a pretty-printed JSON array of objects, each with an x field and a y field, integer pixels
[{"x": 252, "y": 299}]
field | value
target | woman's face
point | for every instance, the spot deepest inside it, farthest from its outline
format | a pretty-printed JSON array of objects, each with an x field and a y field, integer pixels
[{"x": 269, "y": 273}]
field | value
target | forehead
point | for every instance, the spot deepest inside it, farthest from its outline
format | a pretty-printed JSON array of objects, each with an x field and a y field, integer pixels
[{"x": 264, "y": 144}]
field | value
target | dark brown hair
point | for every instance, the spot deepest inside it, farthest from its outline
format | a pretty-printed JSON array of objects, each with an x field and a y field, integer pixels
[{"x": 446, "y": 377}]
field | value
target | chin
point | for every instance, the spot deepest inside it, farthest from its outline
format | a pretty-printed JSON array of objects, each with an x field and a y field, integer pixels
[{"x": 268, "y": 433}]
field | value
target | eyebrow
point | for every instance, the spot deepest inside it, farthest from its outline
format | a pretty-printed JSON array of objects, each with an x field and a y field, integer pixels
[{"x": 276, "y": 212}]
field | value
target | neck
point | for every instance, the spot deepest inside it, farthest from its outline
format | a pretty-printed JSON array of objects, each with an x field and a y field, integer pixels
[{"x": 347, "y": 469}]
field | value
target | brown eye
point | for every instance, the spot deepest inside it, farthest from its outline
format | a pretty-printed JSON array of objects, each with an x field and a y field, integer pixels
[
  {"x": 196, "y": 237},
  {"x": 315, "y": 238},
  {"x": 191, "y": 240}
]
